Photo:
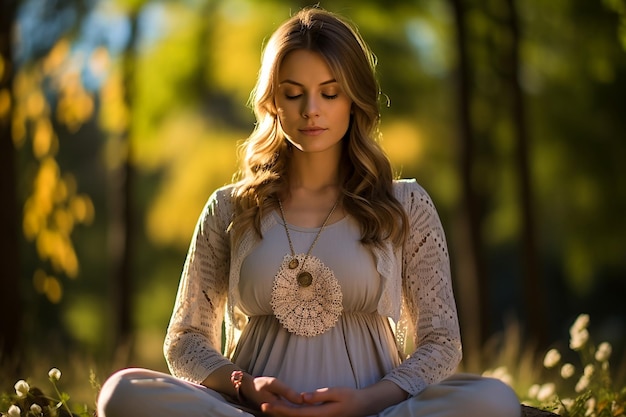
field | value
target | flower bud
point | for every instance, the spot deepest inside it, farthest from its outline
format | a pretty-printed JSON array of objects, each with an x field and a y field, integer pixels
[
  {"x": 54, "y": 374},
  {"x": 567, "y": 371},
  {"x": 604, "y": 352},
  {"x": 552, "y": 358},
  {"x": 21, "y": 388},
  {"x": 14, "y": 411}
]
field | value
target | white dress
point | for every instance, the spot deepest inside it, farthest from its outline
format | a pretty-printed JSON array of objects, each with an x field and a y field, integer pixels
[
  {"x": 410, "y": 285},
  {"x": 414, "y": 290},
  {"x": 357, "y": 351}
]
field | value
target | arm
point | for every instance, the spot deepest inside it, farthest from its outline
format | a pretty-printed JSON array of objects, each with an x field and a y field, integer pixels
[
  {"x": 428, "y": 298},
  {"x": 193, "y": 339},
  {"x": 194, "y": 334}
]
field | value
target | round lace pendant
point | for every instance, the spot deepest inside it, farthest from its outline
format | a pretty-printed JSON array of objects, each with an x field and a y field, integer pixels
[{"x": 306, "y": 310}]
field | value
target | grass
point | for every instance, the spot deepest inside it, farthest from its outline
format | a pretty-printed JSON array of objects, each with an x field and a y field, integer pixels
[{"x": 577, "y": 382}]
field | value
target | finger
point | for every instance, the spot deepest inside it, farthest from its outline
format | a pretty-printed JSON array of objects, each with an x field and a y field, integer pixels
[
  {"x": 322, "y": 395},
  {"x": 280, "y": 389},
  {"x": 280, "y": 409}
]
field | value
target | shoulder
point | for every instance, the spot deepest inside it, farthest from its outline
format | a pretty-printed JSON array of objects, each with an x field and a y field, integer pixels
[
  {"x": 220, "y": 203},
  {"x": 406, "y": 190},
  {"x": 414, "y": 198},
  {"x": 224, "y": 194}
]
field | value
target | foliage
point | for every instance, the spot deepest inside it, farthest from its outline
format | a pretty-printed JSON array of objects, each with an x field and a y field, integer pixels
[
  {"x": 54, "y": 207},
  {"x": 195, "y": 64},
  {"x": 30, "y": 401},
  {"x": 594, "y": 393},
  {"x": 582, "y": 388}
]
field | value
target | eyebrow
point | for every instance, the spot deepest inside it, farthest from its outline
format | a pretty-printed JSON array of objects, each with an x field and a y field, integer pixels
[{"x": 302, "y": 85}]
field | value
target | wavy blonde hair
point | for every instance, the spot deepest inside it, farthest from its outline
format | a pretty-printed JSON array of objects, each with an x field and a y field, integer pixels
[{"x": 366, "y": 173}]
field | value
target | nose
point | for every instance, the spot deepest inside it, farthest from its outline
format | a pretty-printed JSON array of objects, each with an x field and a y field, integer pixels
[{"x": 310, "y": 107}]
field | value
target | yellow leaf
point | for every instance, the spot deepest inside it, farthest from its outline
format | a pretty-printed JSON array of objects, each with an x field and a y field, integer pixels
[
  {"x": 57, "y": 55},
  {"x": 53, "y": 289},
  {"x": 82, "y": 208},
  {"x": 5, "y": 104},
  {"x": 35, "y": 105},
  {"x": 64, "y": 221},
  {"x": 39, "y": 281},
  {"x": 43, "y": 138}
]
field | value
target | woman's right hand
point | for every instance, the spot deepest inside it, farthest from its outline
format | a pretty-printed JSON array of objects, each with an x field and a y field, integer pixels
[{"x": 269, "y": 390}]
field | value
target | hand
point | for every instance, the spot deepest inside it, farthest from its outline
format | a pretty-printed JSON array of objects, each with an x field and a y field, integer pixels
[
  {"x": 326, "y": 402},
  {"x": 269, "y": 390}
]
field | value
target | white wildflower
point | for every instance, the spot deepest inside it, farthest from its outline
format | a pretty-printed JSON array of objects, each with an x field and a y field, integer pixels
[
  {"x": 36, "y": 409},
  {"x": 54, "y": 374},
  {"x": 591, "y": 407},
  {"x": 582, "y": 384},
  {"x": 568, "y": 403},
  {"x": 588, "y": 371},
  {"x": 533, "y": 390},
  {"x": 614, "y": 407},
  {"x": 567, "y": 371},
  {"x": 604, "y": 352},
  {"x": 21, "y": 388},
  {"x": 552, "y": 358},
  {"x": 501, "y": 373},
  {"x": 578, "y": 339},
  {"x": 14, "y": 411},
  {"x": 579, "y": 335},
  {"x": 581, "y": 323},
  {"x": 546, "y": 392}
]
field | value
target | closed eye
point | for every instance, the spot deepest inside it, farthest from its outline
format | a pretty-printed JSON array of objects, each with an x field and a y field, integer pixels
[
  {"x": 292, "y": 97},
  {"x": 330, "y": 96}
]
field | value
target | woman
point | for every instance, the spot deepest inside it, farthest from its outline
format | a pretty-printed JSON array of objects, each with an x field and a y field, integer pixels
[{"x": 309, "y": 255}]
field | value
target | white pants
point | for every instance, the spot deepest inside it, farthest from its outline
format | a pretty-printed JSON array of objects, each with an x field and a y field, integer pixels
[{"x": 145, "y": 393}]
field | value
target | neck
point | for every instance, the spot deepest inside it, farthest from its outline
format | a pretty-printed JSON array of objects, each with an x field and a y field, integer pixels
[{"x": 313, "y": 172}]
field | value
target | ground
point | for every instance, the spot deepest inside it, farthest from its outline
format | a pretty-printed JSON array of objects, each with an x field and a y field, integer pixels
[{"x": 533, "y": 412}]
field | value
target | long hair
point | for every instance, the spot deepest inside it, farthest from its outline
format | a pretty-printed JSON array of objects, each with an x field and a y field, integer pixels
[{"x": 366, "y": 173}]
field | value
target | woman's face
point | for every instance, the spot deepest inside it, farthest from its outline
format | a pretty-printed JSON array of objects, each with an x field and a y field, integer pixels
[{"x": 313, "y": 109}]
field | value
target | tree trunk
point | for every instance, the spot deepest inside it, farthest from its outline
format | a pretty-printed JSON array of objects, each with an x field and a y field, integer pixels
[
  {"x": 534, "y": 302},
  {"x": 123, "y": 223},
  {"x": 9, "y": 217},
  {"x": 469, "y": 272}
]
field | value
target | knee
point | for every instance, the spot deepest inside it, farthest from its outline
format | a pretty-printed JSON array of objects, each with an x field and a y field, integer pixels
[
  {"x": 497, "y": 399},
  {"x": 116, "y": 395}
]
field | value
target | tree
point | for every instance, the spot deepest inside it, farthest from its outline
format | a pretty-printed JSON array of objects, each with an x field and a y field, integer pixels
[
  {"x": 123, "y": 224},
  {"x": 9, "y": 242},
  {"x": 534, "y": 302},
  {"x": 470, "y": 270}
]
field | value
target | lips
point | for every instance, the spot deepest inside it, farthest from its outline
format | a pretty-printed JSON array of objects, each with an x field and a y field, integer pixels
[{"x": 313, "y": 131}]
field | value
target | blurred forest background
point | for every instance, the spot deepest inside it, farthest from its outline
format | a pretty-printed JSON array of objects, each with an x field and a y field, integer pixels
[{"x": 118, "y": 118}]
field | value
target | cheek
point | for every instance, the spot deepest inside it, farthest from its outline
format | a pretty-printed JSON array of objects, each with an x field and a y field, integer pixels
[
  {"x": 284, "y": 120},
  {"x": 287, "y": 114},
  {"x": 345, "y": 115}
]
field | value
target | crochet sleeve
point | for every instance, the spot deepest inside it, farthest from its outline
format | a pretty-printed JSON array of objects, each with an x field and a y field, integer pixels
[
  {"x": 428, "y": 299},
  {"x": 193, "y": 340}
]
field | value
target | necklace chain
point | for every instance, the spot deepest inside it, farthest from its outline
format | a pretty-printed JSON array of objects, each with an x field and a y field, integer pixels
[{"x": 304, "y": 278}]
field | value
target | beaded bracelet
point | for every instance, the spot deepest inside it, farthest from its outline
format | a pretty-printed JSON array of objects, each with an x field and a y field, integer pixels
[{"x": 236, "y": 377}]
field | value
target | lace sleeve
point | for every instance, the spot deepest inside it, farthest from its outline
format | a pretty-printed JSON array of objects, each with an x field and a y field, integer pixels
[
  {"x": 193, "y": 339},
  {"x": 428, "y": 299}
]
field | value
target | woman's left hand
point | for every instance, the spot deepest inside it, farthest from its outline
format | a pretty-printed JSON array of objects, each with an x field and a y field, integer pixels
[
  {"x": 340, "y": 402},
  {"x": 327, "y": 402}
]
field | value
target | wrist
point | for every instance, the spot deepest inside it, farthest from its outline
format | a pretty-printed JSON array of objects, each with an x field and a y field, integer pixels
[
  {"x": 381, "y": 395},
  {"x": 239, "y": 379}
]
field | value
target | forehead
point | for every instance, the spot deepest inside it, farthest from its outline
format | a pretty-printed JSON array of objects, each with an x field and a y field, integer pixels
[{"x": 304, "y": 66}]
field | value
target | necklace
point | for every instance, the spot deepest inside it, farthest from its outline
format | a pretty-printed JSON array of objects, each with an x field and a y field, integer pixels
[
  {"x": 304, "y": 277},
  {"x": 306, "y": 301}
]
